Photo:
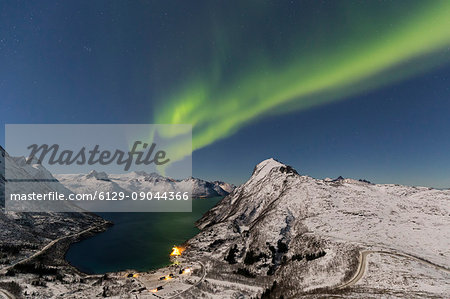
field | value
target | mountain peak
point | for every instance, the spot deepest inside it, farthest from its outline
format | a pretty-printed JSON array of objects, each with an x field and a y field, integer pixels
[
  {"x": 270, "y": 161},
  {"x": 267, "y": 164},
  {"x": 140, "y": 173},
  {"x": 264, "y": 168},
  {"x": 98, "y": 175}
]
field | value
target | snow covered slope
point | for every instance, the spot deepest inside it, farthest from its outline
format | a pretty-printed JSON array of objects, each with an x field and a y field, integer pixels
[
  {"x": 306, "y": 233},
  {"x": 140, "y": 181},
  {"x": 16, "y": 228},
  {"x": 27, "y": 178}
]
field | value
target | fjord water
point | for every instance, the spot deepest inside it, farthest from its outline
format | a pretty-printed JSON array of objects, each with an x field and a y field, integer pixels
[{"x": 140, "y": 241}]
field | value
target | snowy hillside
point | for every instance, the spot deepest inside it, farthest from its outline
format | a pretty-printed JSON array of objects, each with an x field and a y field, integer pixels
[
  {"x": 308, "y": 234},
  {"x": 26, "y": 231},
  {"x": 27, "y": 178},
  {"x": 140, "y": 181}
]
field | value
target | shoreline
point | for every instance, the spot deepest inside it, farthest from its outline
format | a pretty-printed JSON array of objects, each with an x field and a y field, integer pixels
[
  {"x": 53, "y": 253},
  {"x": 65, "y": 245}
]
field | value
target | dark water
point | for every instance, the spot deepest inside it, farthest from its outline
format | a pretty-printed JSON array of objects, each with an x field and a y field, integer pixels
[{"x": 140, "y": 241}]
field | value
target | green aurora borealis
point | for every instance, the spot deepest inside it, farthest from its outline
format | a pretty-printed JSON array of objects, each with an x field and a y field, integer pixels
[{"x": 310, "y": 70}]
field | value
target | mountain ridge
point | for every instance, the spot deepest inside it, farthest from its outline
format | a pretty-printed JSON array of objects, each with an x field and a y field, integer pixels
[{"x": 140, "y": 181}]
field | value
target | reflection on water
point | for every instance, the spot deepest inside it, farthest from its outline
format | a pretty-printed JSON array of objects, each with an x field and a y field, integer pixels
[{"x": 140, "y": 241}]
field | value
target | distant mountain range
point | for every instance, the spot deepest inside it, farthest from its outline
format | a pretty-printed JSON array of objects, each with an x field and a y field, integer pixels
[
  {"x": 40, "y": 180},
  {"x": 140, "y": 181}
]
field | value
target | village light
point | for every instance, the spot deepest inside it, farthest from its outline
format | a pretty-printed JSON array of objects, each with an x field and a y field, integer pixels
[
  {"x": 186, "y": 271},
  {"x": 157, "y": 289},
  {"x": 176, "y": 251}
]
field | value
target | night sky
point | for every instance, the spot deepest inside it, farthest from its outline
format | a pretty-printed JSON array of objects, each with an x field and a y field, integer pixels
[{"x": 351, "y": 88}]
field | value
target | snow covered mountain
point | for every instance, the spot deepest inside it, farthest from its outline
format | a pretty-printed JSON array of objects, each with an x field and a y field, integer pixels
[
  {"x": 279, "y": 235},
  {"x": 27, "y": 178},
  {"x": 293, "y": 235},
  {"x": 225, "y": 186},
  {"x": 202, "y": 188},
  {"x": 34, "y": 229},
  {"x": 140, "y": 181}
]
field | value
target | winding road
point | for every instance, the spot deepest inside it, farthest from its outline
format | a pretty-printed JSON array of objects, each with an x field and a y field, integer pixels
[
  {"x": 363, "y": 264},
  {"x": 8, "y": 295},
  {"x": 195, "y": 284},
  {"x": 45, "y": 248}
]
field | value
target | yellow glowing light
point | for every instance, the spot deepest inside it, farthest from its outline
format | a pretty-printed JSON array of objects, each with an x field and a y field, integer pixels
[
  {"x": 176, "y": 251},
  {"x": 136, "y": 275},
  {"x": 154, "y": 290}
]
